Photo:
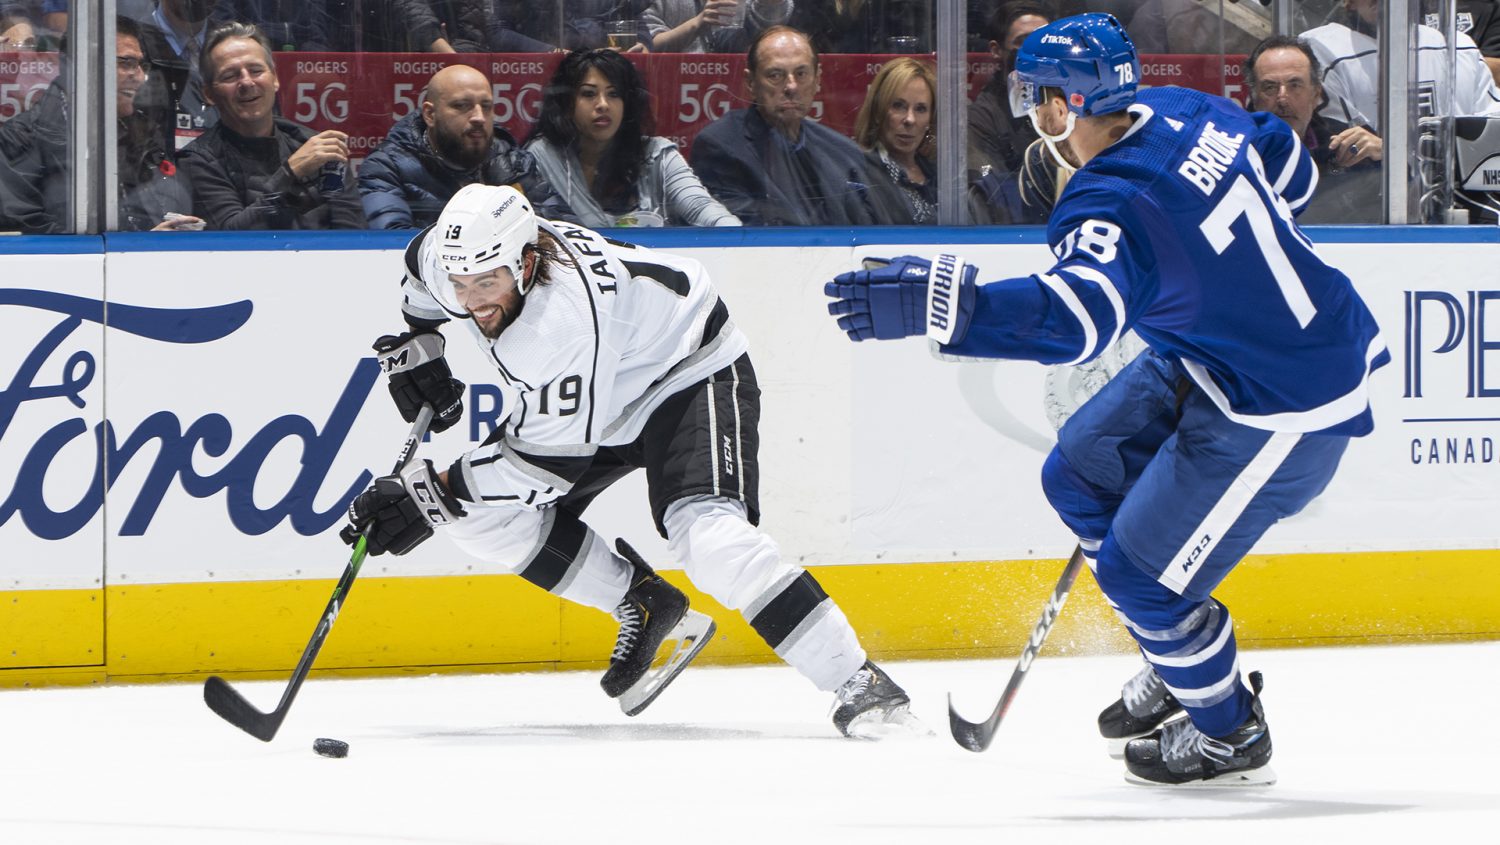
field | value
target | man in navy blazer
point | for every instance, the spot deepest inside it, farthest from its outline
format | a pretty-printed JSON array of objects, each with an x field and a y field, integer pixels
[{"x": 770, "y": 164}]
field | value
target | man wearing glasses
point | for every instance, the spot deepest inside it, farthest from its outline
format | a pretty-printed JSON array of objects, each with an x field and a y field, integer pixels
[{"x": 36, "y": 173}]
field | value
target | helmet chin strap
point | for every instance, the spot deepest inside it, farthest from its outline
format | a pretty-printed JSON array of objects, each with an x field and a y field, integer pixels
[{"x": 1053, "y": 140}]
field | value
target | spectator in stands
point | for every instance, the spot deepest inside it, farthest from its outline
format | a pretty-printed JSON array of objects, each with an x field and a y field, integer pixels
[
  {"x": 1480, "y": 20},
  {"x": 1189, "y": 26},
  {"x": 997, "y": 138},
  {"x": 865, "y": 26},
  {"x": 710, "y": 26},
  {"x": 769, "y": 164},
  {"x": 1283, "y": 74},
  {"x": 17, "y": 30},
  {"x": 568, "y": 24},
  {"x": 447, "y": 26},
  {"x": 173, "y": 36},
  {"x": 37, "y": 168},
  {"x": 895, "y": 127},
  {"x": 452, "y": 141},
  {"x": 254, "y": 170},
  {"x": 287, "y": 24},
  {"x": 594, "y": 144},
  {"x": 1349, "y": 52},
  {"x": 1013, "y": 178}
]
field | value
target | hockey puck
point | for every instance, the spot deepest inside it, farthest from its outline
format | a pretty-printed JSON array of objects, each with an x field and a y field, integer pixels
[{"x": 331, "y": 747}]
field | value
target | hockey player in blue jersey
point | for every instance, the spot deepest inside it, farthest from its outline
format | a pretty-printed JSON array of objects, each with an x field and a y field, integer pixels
[{"x": 1178, "y": 223}]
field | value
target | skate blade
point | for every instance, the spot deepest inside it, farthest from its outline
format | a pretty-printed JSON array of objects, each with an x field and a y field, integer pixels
[
  {"x": 880, "y": 724},
  {"x": 691, "y": 634},
  {"x": 1263, "y": 776}
]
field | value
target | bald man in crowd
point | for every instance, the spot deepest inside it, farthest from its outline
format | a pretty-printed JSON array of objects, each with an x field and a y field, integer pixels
[{"x": 452, "y": 141}]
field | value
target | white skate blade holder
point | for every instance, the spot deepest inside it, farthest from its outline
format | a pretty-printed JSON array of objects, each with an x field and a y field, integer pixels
[
  {"x": 1262, "y": 776},
  {"x": 879, "y": 723},
  {"x": 692, "y": 633}
]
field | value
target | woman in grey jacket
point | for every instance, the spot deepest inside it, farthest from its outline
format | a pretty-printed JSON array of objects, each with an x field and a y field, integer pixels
[{"x": 593, "y": 143}]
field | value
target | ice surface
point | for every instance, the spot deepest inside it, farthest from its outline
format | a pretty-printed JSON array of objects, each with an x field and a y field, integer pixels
[{"x": 1373, "y": 745}]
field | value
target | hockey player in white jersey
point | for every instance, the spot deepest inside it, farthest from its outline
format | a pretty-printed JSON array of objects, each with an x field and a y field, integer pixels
[
  {"x": 609, "y": 358},
  {"x": 1349, "y": 51},
  {"x": 1178, "y": 224}
]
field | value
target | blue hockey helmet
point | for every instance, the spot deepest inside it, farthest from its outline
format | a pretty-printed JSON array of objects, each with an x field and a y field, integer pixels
[{"x": 1089, "y": 57}]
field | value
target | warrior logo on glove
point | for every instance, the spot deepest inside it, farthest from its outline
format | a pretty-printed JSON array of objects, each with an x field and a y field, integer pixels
[{"x": 899, "y": 297}]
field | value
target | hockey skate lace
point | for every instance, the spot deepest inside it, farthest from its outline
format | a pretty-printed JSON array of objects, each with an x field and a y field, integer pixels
[
  {"x": 1180, "y": 740},
  {"x": 855, "y": 686},
  {"x": 1140, "y": 690},
  {"x": 628, "y": 614}
]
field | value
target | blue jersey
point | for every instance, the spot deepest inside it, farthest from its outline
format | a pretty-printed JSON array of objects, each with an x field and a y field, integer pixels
[{"x": 1183, "y": 231}]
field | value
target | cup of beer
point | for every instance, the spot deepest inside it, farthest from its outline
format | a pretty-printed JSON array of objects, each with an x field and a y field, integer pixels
[{"x": 622, "y": 34}]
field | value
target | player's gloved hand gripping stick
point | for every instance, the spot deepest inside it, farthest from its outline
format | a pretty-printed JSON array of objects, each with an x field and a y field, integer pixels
[
  {"x": 900, "y": 297},
  {"x": 418, "y": 374},
  {"x": 228, "y": 703}
]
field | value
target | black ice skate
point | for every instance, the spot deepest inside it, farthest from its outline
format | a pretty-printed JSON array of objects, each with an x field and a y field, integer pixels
[
  {"x": 1144, "y": 704},
  {"x": 1178, "y": 755},
  {"x": 653, "y": 612},
  {"x": 870, "y": 705}
]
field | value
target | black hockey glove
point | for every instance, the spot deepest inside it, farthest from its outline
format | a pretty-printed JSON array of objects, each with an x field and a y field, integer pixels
[
  {"x": 419, "y": 375},
  {"x": 400, "y": 510}
]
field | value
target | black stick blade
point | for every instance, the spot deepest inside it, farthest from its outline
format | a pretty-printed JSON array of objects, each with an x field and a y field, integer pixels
[
  {"x": 974, "y": 736},
  {"x": 224, "y": 700}
]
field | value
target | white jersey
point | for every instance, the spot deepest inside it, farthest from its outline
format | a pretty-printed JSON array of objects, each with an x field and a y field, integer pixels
[
  {"x": 1351, "y": 74},
  {"x": 612, "y": 332}
]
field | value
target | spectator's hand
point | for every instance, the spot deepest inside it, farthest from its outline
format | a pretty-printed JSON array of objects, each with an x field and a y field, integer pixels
[
  {"x": 327, "y": 146},
  {"x": 638, "y": 48},
  {"x": 718, "y": 12},
  {"x": 174, "y": 222},
  {"x": 1354, "y": 145}
]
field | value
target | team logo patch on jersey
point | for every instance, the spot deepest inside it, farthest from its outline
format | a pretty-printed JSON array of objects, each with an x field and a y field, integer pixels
[{"x": 1076, "y": 100}]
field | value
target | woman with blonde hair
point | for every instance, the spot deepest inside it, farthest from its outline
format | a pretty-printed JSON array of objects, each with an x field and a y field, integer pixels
[{"x": 895, "y": 127}]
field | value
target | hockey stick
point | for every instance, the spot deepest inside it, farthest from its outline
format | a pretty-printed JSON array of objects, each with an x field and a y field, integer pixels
[
  {"x": 228, "y": 703},
  {"x": 976, "y": 736}
]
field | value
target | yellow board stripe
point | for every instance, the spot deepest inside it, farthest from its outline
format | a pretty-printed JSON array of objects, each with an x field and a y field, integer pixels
[{"x": 500, "y": 623}]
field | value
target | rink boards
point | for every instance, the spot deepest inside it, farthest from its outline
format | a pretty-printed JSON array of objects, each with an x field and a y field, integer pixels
[{"x": 181, "y": 430}]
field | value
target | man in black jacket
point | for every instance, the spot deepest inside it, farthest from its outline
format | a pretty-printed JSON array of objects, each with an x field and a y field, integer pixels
[
  {"x": 1285, "y": 76},
  {"x": 255, "y": 170},
  {"x": 451, "y": 142},
  {"x": 770, "y": 164},
  {"x": 36, "y": 178}
]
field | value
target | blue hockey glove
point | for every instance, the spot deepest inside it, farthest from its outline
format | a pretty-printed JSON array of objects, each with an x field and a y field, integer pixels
[{"x": 905, "y": 296}]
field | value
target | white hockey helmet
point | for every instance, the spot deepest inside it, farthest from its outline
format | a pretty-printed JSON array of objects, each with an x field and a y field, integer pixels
[{"x": 484, "y": 227}]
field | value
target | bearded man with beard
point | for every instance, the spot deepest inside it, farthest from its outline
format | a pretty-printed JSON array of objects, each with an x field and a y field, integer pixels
[
  {"x": 451, "y": 142},
  {"x": 255, "y": 170}
]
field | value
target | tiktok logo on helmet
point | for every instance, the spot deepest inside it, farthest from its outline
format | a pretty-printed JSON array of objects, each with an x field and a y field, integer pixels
[{"x": 1089, "y": 57}]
